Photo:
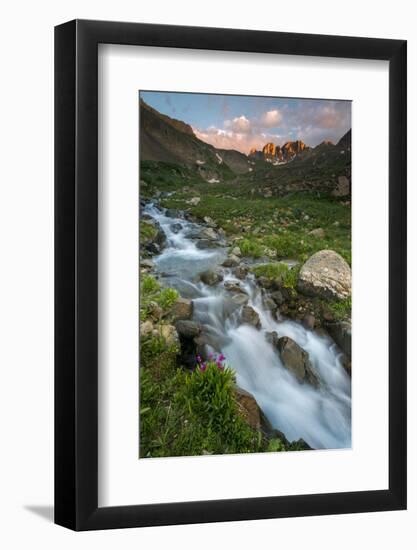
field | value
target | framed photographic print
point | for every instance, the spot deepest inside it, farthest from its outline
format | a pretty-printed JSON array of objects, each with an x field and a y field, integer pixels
[{"x": 230, "y": 275}]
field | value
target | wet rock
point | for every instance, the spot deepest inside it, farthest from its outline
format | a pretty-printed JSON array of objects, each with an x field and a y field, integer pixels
[
  {"x": 248, "y": 408},
  {"x": 309, "y": 321},
  {"x": 176, "y": 227},
  {"x": 264, "y": 282},
  {"x": 188, "y": 329},
  {"x": 236, "y": 251},
  {"x": 233, "y": 303},
  {"x": 211, "y": 277},
  {"x": 182, "y": 309},
  {"x": 278, "y": 297},
  {"x": 153, "y": 248},
  {"x": 250, "y": 317},
  {"x": 319, "y": 233},
  {"x": 341, "y": 332},
  {"x": 240, "y": 272},
  {"x": 202, "y": 244},
  {"x": 297, "y": 361},
  {"x": 231, "y": 261},
  {"x": 233, "y": 286},
  {"x": 173, "y": 213},
  {"x": 325, "y": 275},
  {"x": 272, "y": 338},
  {"x": 212, "y": 338},
  {"x": 269, "y": 303}
]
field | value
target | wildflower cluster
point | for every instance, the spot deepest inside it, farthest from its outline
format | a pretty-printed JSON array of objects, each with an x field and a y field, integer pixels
[{"x": 217, "y": 360}]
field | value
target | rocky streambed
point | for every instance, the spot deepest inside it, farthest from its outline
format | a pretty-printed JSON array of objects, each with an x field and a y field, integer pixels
[{"x": 291, "y": 361}]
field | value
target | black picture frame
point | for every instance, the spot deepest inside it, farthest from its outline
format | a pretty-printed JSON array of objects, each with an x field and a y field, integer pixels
[{"x": 76, "y": 272}]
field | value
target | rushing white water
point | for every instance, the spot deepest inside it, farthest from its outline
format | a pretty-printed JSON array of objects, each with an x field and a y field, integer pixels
[{"x": 322, "y": 416}]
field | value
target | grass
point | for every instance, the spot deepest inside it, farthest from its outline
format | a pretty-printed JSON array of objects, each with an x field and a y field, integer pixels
[
  {"x": 278, "y": 270},
  {"x": 251, "y": 248},
  {"x": 189, "y": 413},
  {"x": 277, "y": 226},
  {"x": 147, "y": 231},
  {"x": 341, "y": 310},
  {"x": 151, "y": 291}
]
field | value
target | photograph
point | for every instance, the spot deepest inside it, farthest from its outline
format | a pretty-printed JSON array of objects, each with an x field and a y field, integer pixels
[{"x": 245, "y": 274}]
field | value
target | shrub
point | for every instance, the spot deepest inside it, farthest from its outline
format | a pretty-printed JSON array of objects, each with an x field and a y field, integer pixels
[
  {"x": 251, "y": 248},
  {"x": 272, "y": 271}
]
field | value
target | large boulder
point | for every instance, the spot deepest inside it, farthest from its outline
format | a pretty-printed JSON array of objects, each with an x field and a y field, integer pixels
[
  {"x": 250, "y": 317},
  {"x": 297, "y": 361},
  {"x": 326, "y": 275},
  {"x": 248, "y": 408},
  {"x": 182, "y": 309},
  {"x": 209, "y": 234}
]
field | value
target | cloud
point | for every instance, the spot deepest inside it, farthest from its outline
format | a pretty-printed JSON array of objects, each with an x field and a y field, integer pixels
[
  {"x": 240, "y": 141},
  {"x": 239, "y": 124},
  {"x": 271, "y": 119},
  {"x": 312, "y": 121}
]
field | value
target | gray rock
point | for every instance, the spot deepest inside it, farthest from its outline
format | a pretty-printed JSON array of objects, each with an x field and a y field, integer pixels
[
  {"x": 170, "y": 335},
  {"x": 154, "y": 311},
  {"x": 147, "y": 263},
  {"x": 319, "y": 233},
  {"x": 182, "y": 309},
  {"x": 176, "y": 227},
  {"x": 325, "y": 275},
  {"x": 234, "y": 302},
  {"x": 231, "y": 261},
  {"x": 205, "y": 243},
  {"x": 269, "y": 303},
  {"x": 240, "y": 272},
  {"x": 341, "y": 332},
  {"x": 209, "y": 221},
  {"x": 342, "y": 188},
  {"x": 194, "y": 201},
  {"x": 236, "y": 251},
  {"x": 278, "y": 297},
  {"x": 233, "y": 286},
  {"x": 153, "y": 248},
  {"x": 211, "y": 277},
  {"x": 272, "y": 338},
  {"x": 209, "y": 233},
  {"x": 146, "y": 328},
  {"x": 297, "y": 361},
  {"x": 188, "y": 329},
  {"x": 250, "y": 317},
  {"x": 309, "y": 321},
  {"x": 173, "y": 213}
]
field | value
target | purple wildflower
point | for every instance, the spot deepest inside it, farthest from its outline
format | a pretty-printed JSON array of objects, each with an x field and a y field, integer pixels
[{"x": 221, "y": 357}]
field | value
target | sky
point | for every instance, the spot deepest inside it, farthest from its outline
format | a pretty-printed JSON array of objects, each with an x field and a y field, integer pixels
[{"x": 246, "y": 122}]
